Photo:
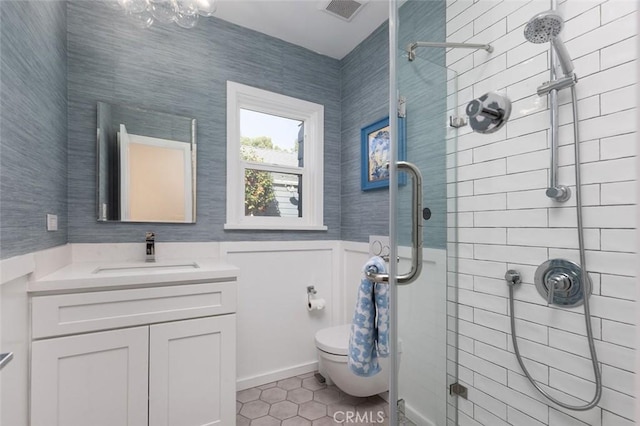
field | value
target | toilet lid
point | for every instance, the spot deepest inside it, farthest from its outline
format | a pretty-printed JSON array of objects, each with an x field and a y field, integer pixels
[{"x": 334, "y": 340}]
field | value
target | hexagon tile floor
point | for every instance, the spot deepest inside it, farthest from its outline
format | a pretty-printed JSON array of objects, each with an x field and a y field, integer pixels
[{"x": 303, "y": 401}]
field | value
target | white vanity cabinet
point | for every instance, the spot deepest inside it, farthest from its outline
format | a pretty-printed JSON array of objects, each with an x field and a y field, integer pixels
[{"x": 151, "y": 356}]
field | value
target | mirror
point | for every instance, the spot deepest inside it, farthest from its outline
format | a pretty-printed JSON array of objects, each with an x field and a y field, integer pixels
[{"x": 146, "y": 166}]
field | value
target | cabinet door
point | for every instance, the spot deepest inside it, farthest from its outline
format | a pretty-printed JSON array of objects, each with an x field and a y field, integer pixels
[
  {"x": 192, "y": 372},
  {"x": 97, "y": 379}
]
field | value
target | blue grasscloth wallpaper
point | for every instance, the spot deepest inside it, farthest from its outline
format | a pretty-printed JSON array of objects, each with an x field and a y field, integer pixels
[
  {"x": 33, "y": 125},
  {"x": 365, "y": 94},
  {"x": 184, "y": 72},
  {"x": 60, "y": 58}
]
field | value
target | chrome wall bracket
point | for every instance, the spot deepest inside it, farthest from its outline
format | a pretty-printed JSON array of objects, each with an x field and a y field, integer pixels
[
  {"x": 457, "y": 122},
  {"x": 561, "y": 282}
]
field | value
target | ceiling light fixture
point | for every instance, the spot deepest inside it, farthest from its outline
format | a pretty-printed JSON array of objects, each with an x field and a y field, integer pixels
[{"x": 185, "y": 13}]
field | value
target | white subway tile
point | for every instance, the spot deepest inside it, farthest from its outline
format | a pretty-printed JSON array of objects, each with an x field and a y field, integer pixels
[
  {"x": 619, "y": 99},
  {"x": 465, "y": 420},
  {"x": 536, "y": 179},
  {"x": 617, "y": 170},
  {"x": 538, "y": 199},
  {"x": 589, "y": 152},
  {"x": 619, "y": 333},
  {"x": 618, "y": 380},
  {"x": 619, "y": 403},
  {"x": 512, "y": 218},
  {"x": 482, "y": 235},
  {"x": 457, "y": 7},
  {"x": 594, "y": 217},
  {"x": 468, "y": 14},
  {"x": 538, "y": 371},
  {"x": 618, "y": 193},
  {"x": 605, "y": 81},
  {"x": 603, "y": 36},
  {"x": 494, "y": 286},
  {"x": 491, "y": 67},
  {"x": 527, "y": 106},
  {"x": 619, "y": 240},
  {"x": 491, "y": 404},
  {"x": 473, "y": 140},
  {"x": 619, "y": 53},
  {"x": 512, "y": 254},
  {"x": 586, "y": 65},
  {"x": 484, "y": 367},
  {"x": 525, "y": 51},
  {"x": 524, "y": 14},
  {"x": 483, "y": 334},
  {"x": 577, "y": 387},
  {"x": 463, "y": 34},
  {"x": 517, "y": 400},
  {"x": 557, "y": 237},
  {"x": 614, "y": 9},
  {"x": 465, "y": 375},
  {"x": 527, "y": 88},
  {"x": 485, "y": 417},
  {"x": 511, "y": 75},
  {"x": 505, "y": 8},
  {"x": 609, "y": 125},
  {"x": 587, "y": 108},
  {"x": 590, "y": 417},
  {"x": 610, "y": 419},
  {"x": 561, "y": 360},
  {"x": 524, "y": 329},
  {"x": 618, "y": 286},
  {"x": 612, "y": 263},
  {"x": 527, "y": 162},
  {"x": 583, "y": 23},
  {"x": 482, "y": 202},
  {"x": 570, "y": 321},
  {"x": 516, "y": 417},
  {"x": 528, "y": 124},
  {"x": 616, "y": 355},
  {"x": 570, "y": 9},
  {"x": 483, "y": 301},
  {"x": 618, "y": 146},
  {"x": 482, "y": 170},
  {"x": 557, "y": 418},
  {"x": 531, "y": 142}
]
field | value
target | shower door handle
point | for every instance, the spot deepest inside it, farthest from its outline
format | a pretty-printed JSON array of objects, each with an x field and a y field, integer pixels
[
  {"x": 416, "y": 229},
  {"x": 416, "y": 222}
]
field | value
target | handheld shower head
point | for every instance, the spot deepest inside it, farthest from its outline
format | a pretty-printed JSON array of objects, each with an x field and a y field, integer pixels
[{"x": 544, "y": 27}]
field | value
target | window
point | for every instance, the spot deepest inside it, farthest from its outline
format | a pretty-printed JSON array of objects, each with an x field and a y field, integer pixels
[{"x": 274, "y": 161}]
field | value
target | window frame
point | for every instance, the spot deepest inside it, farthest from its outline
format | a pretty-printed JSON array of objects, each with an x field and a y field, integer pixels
[{"x": 240, "y": 96}]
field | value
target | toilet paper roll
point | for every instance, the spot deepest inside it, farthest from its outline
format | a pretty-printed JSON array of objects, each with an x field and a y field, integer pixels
[{"x": 316, "y": 304}]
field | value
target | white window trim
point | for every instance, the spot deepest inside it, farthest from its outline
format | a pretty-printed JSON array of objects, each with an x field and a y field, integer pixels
[{"x": 240, "y": 96}]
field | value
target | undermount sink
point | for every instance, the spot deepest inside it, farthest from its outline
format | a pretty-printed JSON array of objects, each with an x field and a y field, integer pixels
[{"x": 146, "y": 267}]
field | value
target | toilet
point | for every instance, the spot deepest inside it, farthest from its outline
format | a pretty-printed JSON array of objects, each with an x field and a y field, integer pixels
[{"x": 333, "y": 348}]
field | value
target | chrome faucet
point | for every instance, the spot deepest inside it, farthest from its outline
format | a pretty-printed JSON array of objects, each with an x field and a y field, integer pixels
[{"x": 150, "y": 238}]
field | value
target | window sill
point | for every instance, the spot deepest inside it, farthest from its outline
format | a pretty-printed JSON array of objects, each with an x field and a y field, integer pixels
[{"x": 275, "y": 227}]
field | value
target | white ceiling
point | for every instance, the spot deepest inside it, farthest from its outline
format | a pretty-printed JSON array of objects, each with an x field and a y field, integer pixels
[{"x": 305, "y": 23}]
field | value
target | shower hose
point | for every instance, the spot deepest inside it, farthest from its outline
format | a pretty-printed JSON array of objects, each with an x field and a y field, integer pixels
[{"x": 585, "y": 279}]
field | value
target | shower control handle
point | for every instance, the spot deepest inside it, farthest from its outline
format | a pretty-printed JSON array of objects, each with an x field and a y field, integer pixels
[
  {"x": 559, "y": 281},
  {"x": 475, "y": 108}
]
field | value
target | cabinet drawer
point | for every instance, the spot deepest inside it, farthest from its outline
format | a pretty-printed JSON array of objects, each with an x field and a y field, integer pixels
[{"x": 83, "y": 312}]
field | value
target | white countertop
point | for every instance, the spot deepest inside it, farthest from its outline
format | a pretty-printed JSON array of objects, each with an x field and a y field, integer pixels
[{"x": 82, "y": 276}]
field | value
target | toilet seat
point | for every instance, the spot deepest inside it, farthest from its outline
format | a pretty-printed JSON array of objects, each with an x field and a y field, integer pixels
[{"x": 334, "y": 340}]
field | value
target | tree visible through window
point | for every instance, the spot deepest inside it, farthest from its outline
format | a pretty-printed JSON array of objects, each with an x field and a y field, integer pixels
[{"x": 274, "y": 161}]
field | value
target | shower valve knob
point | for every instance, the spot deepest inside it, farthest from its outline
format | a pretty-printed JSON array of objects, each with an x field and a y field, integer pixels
[{"x": 489, "y": 112}]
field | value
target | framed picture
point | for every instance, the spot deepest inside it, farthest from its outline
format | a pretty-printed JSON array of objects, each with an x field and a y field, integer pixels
[{"x": 376, "y": 153}]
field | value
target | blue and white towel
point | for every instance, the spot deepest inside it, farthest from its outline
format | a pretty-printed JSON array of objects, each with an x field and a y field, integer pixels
[{"x": 369, "y": 338}]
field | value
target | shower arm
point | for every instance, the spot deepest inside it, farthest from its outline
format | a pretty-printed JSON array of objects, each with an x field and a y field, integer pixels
[{"x": 411, "y": 47}]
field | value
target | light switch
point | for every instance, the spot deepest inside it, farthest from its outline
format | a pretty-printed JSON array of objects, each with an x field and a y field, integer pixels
[{"x": 52, "y": 222}]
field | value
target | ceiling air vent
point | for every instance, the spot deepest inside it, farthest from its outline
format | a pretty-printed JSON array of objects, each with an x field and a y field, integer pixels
[{"x": 344, "y": 9}]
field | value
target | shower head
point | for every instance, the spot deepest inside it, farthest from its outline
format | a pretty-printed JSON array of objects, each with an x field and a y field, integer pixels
[{"x": 544, "y": 27}]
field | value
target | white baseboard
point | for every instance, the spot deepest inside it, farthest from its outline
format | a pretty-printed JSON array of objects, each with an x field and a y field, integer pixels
[{"x": 263, "y": 379}]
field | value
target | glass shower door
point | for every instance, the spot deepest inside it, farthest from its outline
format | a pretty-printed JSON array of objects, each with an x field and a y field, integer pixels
[{"x": 425, "y": 309}]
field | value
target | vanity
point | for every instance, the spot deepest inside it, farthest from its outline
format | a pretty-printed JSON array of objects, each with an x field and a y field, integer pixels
[{"x": 137, "y": 344}]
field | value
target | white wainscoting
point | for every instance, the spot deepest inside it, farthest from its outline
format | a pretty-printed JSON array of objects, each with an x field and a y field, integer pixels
[{"x": 275, "y": 329}]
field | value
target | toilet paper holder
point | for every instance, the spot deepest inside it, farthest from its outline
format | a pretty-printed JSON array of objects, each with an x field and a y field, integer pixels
[{"x": 311, "y": 291}]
